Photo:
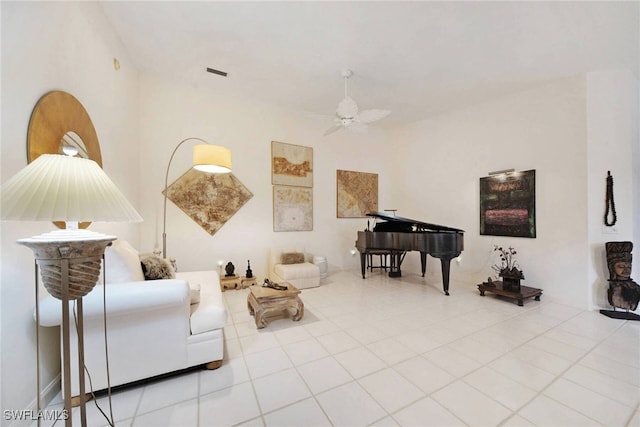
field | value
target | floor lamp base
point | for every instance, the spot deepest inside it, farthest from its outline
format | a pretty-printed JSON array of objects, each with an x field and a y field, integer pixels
[{"x": 624, "y": 315}]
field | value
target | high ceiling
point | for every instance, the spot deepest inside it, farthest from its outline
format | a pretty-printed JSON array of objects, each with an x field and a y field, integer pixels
[{"x": 414, "y": 58}]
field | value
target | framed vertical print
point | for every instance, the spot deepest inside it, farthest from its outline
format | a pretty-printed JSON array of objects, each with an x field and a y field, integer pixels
[
  {"x": 357, "y": 193},
  {"x": 508, "y": 204},
  {"x": 292, "y": 208},
  {"x": 291, "y": 165}
]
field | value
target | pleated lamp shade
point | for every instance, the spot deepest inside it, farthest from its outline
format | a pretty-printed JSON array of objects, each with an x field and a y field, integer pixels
[
  {"x": 211, "y": 158},
  {"x": 62, "y": 188}
]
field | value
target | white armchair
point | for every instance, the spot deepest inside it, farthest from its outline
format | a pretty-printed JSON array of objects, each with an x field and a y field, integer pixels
[
  {"x": 294, "y": 266},
  {"x": 153, "y": 326}
]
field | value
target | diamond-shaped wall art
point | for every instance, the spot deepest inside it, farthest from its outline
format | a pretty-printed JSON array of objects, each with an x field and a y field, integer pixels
[{"x": 208, "y": 199}]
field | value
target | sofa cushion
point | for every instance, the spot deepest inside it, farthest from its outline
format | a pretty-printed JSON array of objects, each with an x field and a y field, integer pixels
[
  {"x": 155, "y": 268},
  {"x": 292, "y": 258},
  {"x": 122, "y": 263},
  {"x": 297, "y": 271}
]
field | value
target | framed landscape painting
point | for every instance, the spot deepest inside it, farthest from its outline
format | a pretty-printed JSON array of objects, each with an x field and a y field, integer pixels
[
  {"x": 357, "y": 193},
  {"x": 508, "y": 204},
  {"x": 291, "y": 164}
]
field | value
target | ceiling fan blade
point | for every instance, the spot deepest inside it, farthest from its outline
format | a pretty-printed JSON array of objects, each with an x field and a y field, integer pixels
[
  {"x": 333, "y": 129},
  {"x": 347, "y": 108},
  {"x": 368, "y": 116},
  {"x": 357, "y": 127}
]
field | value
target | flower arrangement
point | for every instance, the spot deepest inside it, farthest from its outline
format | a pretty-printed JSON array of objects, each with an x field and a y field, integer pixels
[{"x": 509, "y": 266}]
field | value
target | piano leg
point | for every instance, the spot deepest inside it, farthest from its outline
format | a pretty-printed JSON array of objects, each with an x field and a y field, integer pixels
[
  {"x": 423, "y": 262},
  {"x": 363, "y": 262},
  {"x": 445, "y": 263}
]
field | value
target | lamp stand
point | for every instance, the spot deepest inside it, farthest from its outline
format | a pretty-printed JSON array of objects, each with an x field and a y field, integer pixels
[
  {"x": 70, "y": 269},
  {"x": 166, "y": 186}
]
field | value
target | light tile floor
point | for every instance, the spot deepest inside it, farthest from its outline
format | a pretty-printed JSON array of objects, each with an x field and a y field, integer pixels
[{"x": 398, "y": 352}]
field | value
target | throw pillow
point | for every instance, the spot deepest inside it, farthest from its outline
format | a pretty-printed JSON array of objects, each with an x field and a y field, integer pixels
[
  {"x": 155, "y": 268},
  {"x": 122, "y": 263},
  {"x": 291, "y": 258}
]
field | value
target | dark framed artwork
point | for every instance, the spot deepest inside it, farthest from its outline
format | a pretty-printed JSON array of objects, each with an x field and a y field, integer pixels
[{"x": 508, "y": 204}]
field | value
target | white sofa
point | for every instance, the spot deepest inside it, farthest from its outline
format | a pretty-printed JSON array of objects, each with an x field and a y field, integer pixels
[
  {"x": 293, "y": 265},
  {"x": 153, "y": 326}
]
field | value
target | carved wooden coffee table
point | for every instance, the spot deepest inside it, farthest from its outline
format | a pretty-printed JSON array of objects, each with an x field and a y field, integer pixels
[{"x": 263, "y": 301}]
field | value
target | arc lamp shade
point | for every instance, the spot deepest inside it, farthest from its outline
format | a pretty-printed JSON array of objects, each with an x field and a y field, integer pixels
[
  {"x": 211, "y": 158},
  {"x": 61, "y": 188}
]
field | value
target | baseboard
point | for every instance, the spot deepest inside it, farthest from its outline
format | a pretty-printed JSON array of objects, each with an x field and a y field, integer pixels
[
  {"x": 50, "y": 391},
  {"x": 30, "y": 413}
]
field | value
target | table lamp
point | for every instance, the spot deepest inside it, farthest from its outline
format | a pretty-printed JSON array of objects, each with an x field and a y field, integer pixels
[{"x": 71, "y": 189}]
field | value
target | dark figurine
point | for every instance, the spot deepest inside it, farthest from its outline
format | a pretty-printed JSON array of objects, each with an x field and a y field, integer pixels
[
  {"x": 269, "y": 284},
  {"x": 249, "y": 274},
  {"x": 623, "y": 292},
  {"x": 230, "y": 268}
]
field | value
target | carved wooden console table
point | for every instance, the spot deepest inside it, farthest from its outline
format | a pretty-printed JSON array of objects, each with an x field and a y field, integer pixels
[
  {"x": 230, "y": 282},
  {"x": 496, "y": 288}
]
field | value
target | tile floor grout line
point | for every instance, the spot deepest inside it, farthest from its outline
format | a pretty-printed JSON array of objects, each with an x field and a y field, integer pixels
[
  {"x": 635, "y": 413},
  {"x": 538, "y": 393},
  {"x": 404, "y": 310},
  {"x": 295, "y": 367},
  {"x": 560, "y": 376}
]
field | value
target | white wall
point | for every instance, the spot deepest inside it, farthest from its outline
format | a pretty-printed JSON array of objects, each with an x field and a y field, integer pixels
[
  {"x": 612, "y": 110},
  {"x": 56, "y": 46},
  {"x": 635, "y": 179},
  {"x": 541, "y": 129},
  {"x": 170, "y": 113},
  {"x": 570, "y": 131}
]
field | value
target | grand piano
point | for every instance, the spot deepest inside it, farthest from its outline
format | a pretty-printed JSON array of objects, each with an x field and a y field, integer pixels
[{"x": 397, "y": 236}]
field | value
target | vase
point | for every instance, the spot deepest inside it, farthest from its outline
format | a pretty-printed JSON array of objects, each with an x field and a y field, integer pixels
[{"x": 511, "y": 279}]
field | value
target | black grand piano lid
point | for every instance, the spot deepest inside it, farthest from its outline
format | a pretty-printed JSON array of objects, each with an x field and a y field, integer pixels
[{"x": 420, "y": 226}]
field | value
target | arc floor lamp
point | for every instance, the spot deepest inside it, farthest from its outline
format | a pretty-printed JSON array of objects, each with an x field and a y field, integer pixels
[{"x": 206, "y": 158}]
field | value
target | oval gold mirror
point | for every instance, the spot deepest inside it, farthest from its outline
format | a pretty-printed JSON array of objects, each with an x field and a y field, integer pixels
[
  {"x": 73, "y": 145},
  {"x": 59, "y": 121}
]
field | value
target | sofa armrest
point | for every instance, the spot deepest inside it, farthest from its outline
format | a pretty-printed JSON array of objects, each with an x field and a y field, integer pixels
[
  {"x": 210, "y": 313},
  {"x": 121, "y": 299}
]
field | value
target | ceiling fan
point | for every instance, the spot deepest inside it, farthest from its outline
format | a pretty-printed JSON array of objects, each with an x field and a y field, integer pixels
[{"x": 349, "y": 117}]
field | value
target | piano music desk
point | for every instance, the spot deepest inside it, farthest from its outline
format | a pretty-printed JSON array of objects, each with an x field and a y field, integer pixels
[{"x": 496, "y": 288}]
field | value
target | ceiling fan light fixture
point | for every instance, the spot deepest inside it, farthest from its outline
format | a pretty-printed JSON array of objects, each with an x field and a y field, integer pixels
[{"x": 347, "y": 113}]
